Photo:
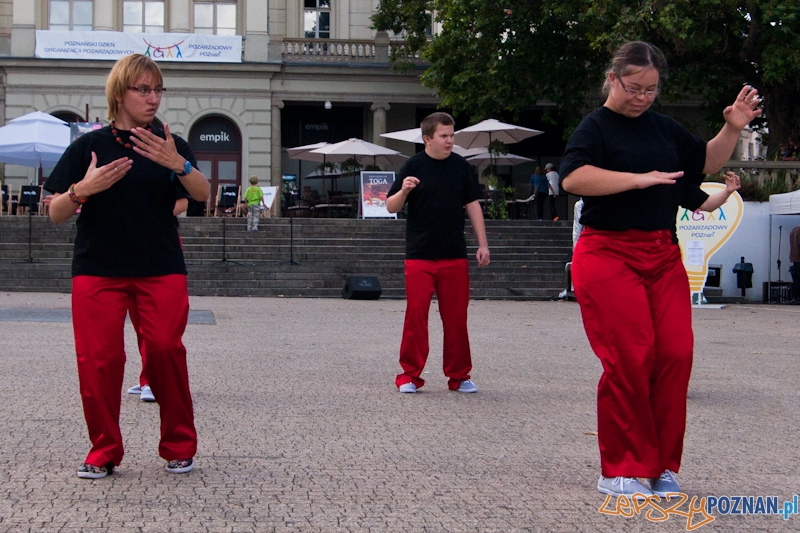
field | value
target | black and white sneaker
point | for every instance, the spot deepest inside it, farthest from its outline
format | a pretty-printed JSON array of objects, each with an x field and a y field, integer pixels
[
  {"x": 87, "y": 471},
  {"x": 180, "y": 466}
]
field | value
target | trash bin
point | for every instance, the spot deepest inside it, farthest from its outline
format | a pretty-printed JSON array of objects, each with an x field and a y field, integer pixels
[{"x": 744, "y": 275}]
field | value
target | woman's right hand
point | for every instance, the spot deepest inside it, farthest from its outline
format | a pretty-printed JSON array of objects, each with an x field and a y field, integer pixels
[
  {"x": 657, "y": 178},
  {"x": 99, "y": 179}
]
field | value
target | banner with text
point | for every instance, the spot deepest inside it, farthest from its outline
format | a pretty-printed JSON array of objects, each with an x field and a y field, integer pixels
[
  {"x": 112, "y": 45},
  {"x": 700, "y": 234},
  {"x": 374, "y": 190}
]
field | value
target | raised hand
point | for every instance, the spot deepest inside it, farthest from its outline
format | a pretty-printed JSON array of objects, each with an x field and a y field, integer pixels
[
  {"x": 744, "y": 109},
  {"x": 154, "y": 148},
  {"x": 98, "y": 179}
]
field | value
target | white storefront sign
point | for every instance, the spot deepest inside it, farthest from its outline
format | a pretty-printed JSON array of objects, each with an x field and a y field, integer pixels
[{"x": 178, "y": 47}]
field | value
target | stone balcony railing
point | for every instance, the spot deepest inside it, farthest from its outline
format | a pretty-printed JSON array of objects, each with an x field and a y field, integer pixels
[{"x": 378, "y": 50}]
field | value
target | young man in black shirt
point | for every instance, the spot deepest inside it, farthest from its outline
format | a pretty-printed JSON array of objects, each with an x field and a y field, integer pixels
[{"x": 439, "y": 187}]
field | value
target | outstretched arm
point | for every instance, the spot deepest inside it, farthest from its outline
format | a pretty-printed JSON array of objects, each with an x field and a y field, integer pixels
[
  {"x": 717, "y": 199},
  {"x": 590, "y": 180}
]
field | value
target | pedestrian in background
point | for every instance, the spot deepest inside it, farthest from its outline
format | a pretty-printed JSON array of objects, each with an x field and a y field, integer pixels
[
  {"x": 539, "y": 190},
  {"x": 553, "y": 189},
  {"x": 254, "y": 197},
  {"x": 794, "y": 258}
]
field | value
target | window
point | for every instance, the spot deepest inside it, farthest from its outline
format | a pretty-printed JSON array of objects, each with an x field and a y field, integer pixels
[
  {"x": 317, "y": 19},
  {"x": 143, "y": 16},
  {"x": 75, "y": 15},
  {"x": 215, "y": 17}
]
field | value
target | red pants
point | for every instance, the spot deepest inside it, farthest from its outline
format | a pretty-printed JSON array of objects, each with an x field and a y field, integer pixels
[
  {"x": 99, "y": 306},
  {"x": 635, "y": 302},
  {"x": 450, "y": 279},
  {"x": 134, "y": 316}
]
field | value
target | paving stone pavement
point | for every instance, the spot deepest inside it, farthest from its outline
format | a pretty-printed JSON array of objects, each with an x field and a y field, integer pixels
[{"x": 301, "y": 428}]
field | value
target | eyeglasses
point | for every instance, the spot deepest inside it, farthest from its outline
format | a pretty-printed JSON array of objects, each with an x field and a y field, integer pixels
[
  {"x": 633, "y": 93},
  {"x": 145, "y": 91}
]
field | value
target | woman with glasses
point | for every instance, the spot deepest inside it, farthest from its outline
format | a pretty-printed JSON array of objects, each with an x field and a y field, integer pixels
[
  {"x": 634, "y": 168},
  {"x": 124, "y": 180}
]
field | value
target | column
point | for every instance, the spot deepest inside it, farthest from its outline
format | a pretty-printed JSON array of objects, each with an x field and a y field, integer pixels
[
  {"x": 23, "y": 28},
  {"x": 379, "y": 122},
  {"x": 179, "y": 12},
  {"x": 103, "y": 15},
  {"x": 275, "y": 143},
  {"x": 256, "y": 33}
]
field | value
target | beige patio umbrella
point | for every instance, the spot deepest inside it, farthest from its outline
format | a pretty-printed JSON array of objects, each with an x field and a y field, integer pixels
[
  {"x": 486, "y": 131},
  {"x": 414, "y": 135}
]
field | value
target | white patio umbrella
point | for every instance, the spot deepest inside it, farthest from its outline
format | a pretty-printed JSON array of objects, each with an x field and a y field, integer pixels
[
  {"x": 34, "y": 140},
  {"x": 499, "y": 159},
  {"x": 414, "y": 135},
  {"x": 486, "y": 131},
  {"x": 362, "y": 151},
  {"x": 483, "y": 133},
  {"x": 301, "y": 153}
]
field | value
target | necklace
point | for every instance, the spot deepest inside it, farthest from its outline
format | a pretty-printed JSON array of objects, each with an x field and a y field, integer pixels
[{"x": 118, "y": 139}]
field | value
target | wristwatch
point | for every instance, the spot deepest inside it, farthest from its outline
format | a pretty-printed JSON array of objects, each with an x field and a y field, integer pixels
[{"x": 187, "y": 169}]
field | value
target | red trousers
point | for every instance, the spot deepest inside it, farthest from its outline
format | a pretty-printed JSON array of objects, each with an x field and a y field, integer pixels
[
  {"x": 450, "y": 279},
  {"x": 99, "y": 306},
  {"x": 634, "y": 297},
  {"x": 134, "y": 316}
]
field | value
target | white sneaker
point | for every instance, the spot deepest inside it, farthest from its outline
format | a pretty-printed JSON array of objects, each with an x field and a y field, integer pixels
[
  {"x": 408, "y": 388},
  {"x": 135, "y": 390},
  {"x": 623, "y": 486},
  {"x": 147, "y": 394},
  {"x": 666, "y": 484},
  {"x": 467, "y": 386}
]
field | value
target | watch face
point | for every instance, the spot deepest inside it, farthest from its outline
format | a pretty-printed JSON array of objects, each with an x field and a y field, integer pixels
[{"x": 187, "y": 167}]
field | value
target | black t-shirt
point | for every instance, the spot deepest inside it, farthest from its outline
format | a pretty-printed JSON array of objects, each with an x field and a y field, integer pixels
[
  {"x": 435, "y": 223},
  {"x": 127, "y": 230},
  {"x": 652, "y": 141}
]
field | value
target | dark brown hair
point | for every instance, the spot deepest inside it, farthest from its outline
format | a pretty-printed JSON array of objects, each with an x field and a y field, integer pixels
[
  {"x": 634, "y": 56},
  {"x": 429, "y": 123}
]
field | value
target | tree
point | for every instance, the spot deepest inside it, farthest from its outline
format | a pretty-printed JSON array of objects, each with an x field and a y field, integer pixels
[{"x": 492, "y": 57}]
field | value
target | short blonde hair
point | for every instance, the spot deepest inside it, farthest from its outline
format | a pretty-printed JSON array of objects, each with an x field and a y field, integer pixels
[
  {"x": 253, "y": 180},
  {"x": 125, "y": 73}
]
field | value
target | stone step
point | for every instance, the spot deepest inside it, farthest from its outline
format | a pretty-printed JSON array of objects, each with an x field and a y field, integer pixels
[{"x": 528, "y": 257}]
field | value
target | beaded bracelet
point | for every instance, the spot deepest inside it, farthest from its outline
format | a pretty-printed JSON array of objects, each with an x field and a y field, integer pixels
[{"x": 74, "y": 197}]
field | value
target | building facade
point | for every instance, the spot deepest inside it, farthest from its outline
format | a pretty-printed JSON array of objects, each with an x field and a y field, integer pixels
[{"x": 309, "y": 71}]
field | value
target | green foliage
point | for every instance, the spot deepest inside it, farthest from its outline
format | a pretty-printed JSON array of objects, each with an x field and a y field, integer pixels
[
  {"x": 350, "y": 166},
  {"x": 490, "y": 58},
  {"x": 498, "y": 209}
]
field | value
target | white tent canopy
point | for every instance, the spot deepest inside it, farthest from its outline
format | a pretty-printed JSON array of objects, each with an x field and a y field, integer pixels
[{"x": 785, "y": 204}]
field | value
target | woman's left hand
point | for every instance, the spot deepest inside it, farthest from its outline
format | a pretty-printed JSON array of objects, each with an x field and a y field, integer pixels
[
  {"x": 732, "y": 182},
  {"x": 744, "y": 109},
  {"x": 154, "y": 148}
]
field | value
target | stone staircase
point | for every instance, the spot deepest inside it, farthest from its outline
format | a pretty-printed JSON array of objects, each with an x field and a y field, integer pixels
[{"x": 306, "y": 258}]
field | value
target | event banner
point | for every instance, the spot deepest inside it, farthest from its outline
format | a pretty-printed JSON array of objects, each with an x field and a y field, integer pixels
[
  {"x": 700, "y": 234},
  {"x": 374, "y": 190},
  {"x": 185, "y": 47}
]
